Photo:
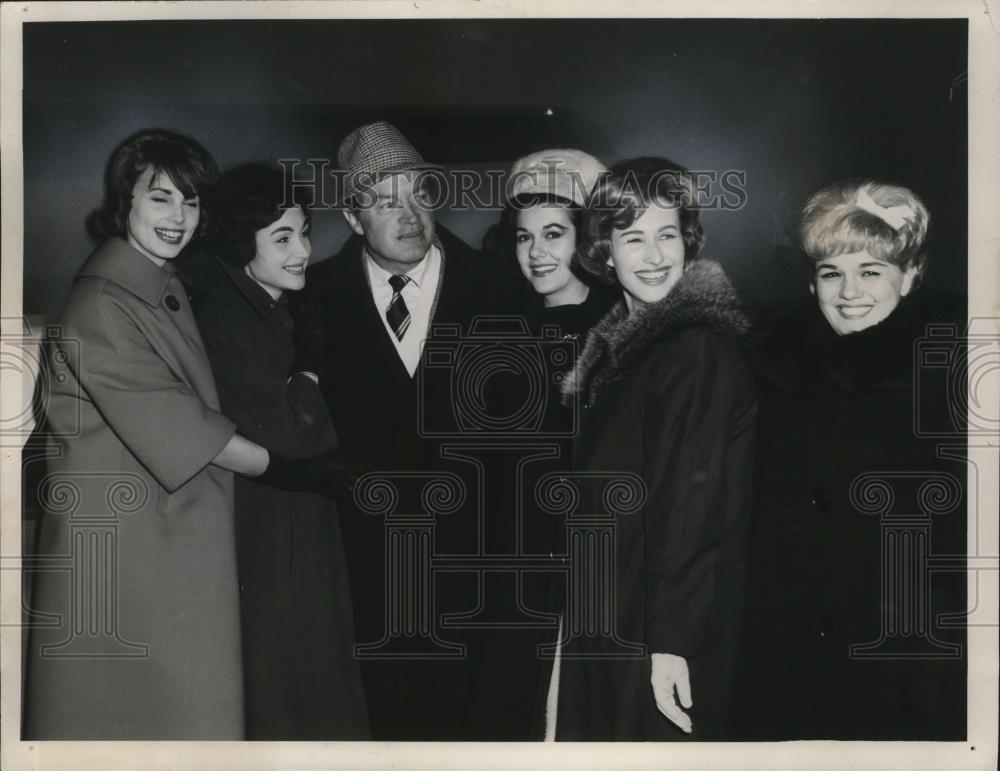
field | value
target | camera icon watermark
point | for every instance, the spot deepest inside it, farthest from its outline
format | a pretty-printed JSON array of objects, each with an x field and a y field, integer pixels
[
  {"x": 499, "y": 381},
  {"x": 965, "y": 366},
  {"x": 956, "y": 402},
  {"x": 41, "y": 361}
]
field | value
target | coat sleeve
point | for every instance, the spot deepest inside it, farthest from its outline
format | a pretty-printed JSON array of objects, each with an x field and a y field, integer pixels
[
  {"x": 152, "y": 411},
  {"x": 286, "y": 416},
  {"x": 698, "y": 399}
]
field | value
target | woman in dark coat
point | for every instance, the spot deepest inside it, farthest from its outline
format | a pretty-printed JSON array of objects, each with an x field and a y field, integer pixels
[
  {"x": 538, "y": 234},
  {"x": 138, "y": 496},
  {"x": 825, "y": 655},
  {"x": 669, "y": 410},
  {"x": 302, "y": 680}
]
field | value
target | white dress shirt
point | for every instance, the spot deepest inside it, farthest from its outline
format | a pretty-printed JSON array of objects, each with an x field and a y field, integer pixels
[{"x": 418, "y": 294}]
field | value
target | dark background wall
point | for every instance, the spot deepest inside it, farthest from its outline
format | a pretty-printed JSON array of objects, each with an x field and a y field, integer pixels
[{"x": 792, "y": 104}]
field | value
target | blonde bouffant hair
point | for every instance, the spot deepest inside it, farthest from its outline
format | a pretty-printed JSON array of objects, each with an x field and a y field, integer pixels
[{"x": 888, "y": 221}]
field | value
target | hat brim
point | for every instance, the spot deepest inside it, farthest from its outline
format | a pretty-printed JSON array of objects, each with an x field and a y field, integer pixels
[{"x": 351, "y": 189}]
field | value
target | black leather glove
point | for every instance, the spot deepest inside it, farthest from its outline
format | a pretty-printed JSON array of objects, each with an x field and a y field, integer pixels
[
  {"x": 347, "y": 475},
  {"x": 325, "y": 474}
]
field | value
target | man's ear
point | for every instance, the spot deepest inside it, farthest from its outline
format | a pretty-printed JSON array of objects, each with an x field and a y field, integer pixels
[
  {"x": 353, "y": 221},
  {"x": 812, "y": 287}
]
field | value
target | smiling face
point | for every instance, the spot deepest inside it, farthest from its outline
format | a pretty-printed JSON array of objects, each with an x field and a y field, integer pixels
[
  {"x": 648, "y": 255},
  {"x": 161, "y": 221},
  {"x": 282, "y": 253},
  {"x": 398, "y": 225},
  {"x": 856, "y": 291},
  {"x": 545, "y": 241}
]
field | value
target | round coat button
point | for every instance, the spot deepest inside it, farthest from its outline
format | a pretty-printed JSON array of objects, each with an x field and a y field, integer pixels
[{"x": 172, "y": 303}]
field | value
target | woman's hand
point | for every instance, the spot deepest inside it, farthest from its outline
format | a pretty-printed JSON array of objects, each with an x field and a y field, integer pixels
[{"x": 670, "y": 672}]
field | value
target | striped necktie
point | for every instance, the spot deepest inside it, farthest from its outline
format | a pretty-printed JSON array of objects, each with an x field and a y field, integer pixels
[{"x": 398, "y": 314}]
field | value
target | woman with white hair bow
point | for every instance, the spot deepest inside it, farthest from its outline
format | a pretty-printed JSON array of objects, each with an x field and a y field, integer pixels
[{"x": 843, "y": 401}]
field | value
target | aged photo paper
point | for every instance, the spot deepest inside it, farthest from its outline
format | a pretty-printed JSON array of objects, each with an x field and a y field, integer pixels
[{"x": 765, "y": 98}]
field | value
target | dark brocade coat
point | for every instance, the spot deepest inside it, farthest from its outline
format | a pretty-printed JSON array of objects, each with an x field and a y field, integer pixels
[
  {"x": 302, "y": 680},
  {"x": 839, "y": 411},
  {"x": 378, "y": 410},
  {"x": 668, "y": 400},
  {"x": 136, "y": 544}
]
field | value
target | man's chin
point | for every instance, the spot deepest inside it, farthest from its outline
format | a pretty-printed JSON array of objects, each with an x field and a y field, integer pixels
[{"x": 412, "y": 249}]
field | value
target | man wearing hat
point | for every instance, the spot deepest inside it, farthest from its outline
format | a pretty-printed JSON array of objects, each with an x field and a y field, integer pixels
[{"x": 361, "y": 323}]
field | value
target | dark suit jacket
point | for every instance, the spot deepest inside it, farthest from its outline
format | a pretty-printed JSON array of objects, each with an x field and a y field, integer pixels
[
  {"x": 340, "y": 336},
  {"x": 374, "y": 405}
]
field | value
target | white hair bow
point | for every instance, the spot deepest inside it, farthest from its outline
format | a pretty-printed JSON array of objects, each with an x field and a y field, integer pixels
[{"x": 894, "y": 216}]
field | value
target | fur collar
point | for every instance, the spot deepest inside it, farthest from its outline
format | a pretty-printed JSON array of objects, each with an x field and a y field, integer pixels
[
  {"x": 799, "y": 352},
  {"x": 703, "y": 297}
]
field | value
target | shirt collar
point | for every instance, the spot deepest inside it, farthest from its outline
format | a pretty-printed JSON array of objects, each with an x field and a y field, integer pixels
[
  {"x": 417, "y": 273},
  {"x": 120, "y": 263}
]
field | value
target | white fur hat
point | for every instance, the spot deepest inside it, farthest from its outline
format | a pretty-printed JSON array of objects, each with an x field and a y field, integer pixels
[{"x": 569, "y": 174}]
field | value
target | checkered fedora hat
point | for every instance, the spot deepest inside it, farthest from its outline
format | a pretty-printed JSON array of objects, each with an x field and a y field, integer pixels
[{"x": 373, "y": 151}]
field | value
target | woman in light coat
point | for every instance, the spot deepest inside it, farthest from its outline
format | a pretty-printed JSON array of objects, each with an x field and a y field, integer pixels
[{"x": 135, "y": 624}]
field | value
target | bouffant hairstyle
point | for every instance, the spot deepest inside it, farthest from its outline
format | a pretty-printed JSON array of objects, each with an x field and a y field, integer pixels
[
  {"x": 188, "y": 165},
  {"x": 620, "y": 198},
  {"x": 887, "y": 221},
  {"x": 246, "y": 199}
]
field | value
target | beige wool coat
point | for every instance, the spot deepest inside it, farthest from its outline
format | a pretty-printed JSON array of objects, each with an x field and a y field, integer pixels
[{"x": 136, "y": 547}]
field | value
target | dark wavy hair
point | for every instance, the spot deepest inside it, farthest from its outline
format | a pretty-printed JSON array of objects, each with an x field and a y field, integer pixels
[
  {"x": 246, "y": 199},
  {"x": 507, "y": 231},
  {"x": 188, "y": 165},
  {"x": 620, "y": 198}
]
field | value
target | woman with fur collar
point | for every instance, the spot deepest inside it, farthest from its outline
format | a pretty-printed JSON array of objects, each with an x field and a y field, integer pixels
[
  {"x": 820, "y": 658},
  {"x": 668, "y": 409}
]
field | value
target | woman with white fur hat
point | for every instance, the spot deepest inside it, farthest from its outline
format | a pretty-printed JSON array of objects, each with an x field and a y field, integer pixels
[{"x": 539, "y": 227}]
